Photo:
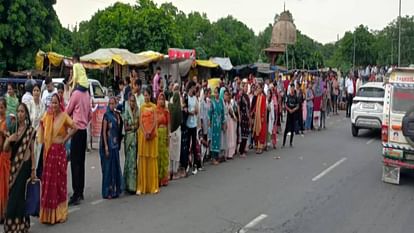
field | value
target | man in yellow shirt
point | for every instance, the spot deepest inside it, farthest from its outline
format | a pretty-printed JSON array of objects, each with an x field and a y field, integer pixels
[{"x": 79, "y": 78}]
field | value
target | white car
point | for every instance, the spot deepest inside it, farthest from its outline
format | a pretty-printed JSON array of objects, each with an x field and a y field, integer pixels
[{"x": 367, "y": 107}]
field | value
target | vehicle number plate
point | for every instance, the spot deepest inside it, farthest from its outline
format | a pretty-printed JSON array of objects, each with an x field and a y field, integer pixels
[{"x": 368, "y": 105}]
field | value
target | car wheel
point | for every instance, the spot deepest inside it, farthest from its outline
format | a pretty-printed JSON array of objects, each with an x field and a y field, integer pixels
[{"x": 354, "y": 131}]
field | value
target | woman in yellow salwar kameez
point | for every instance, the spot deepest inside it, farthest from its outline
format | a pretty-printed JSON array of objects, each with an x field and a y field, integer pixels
[{"x": 148, "y": 148}]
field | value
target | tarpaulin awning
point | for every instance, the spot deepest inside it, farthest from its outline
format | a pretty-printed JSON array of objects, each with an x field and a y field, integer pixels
[
  {"x": 206, "y": 63},
  {"x": 120, "y": 56},
  {"x": 87, "y": 65},
  {"x": 55, "y": 59},
  {"x": 150, "y": 56},
  {"x": 223, "y": 62},
  {"x": 105, "y": 56}
]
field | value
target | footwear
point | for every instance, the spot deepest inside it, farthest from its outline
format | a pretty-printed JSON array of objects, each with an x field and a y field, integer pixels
[
  {"x": 291, "y": 144},
  {"x": 74, "y": 201},
  {"x": 195, "y": 171},
  {"x": 201, "y": 169}
]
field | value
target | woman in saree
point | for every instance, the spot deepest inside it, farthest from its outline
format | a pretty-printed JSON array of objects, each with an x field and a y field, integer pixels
[
  {"x": 163, "y": 123},
  {"x": 4, "y": 161},
  {"x": 244, "y": 109},
  {"x": 231, "y": 126},
  {"x": 148, "y": 148},
  {"x": 216, "y": 124},
  {"x": 260, "y": 126},
  {"x": 56, "y": 128},
  {"x": 20, "y": 145},
  {"x": 110, "y": 144},
  {"x": 175, "y": 135},
  {"x": 131, "y": 117}
]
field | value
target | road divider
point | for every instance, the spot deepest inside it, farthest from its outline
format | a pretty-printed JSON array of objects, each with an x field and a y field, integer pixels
[{"x": 326, "y": 171}]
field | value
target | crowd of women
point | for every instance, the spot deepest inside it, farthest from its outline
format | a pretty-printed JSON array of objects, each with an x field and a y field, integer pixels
[{"x": 164, "y": 138}]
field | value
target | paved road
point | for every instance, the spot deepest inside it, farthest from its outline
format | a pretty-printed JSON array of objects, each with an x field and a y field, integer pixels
[{"x": 329, "y": 182}]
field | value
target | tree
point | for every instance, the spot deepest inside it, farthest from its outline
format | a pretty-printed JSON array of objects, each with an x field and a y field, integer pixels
[
  {"x": 137, "y": 28},
  {"x": 25, "y": 26},
  {"x": 231, "y": 38}
]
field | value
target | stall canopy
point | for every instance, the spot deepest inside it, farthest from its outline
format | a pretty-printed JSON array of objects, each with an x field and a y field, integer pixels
[
  {"x": 55, "y": 59},
  {"x": 223, "y": 62},
  {"x": 122, "y": 57},
  {"x": 206, "y": 63}
]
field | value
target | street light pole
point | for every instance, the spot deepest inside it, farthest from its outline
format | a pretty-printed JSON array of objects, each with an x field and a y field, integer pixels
[
  {"x": 353, "y": 60},
  {"x": 399, "y": 37}
]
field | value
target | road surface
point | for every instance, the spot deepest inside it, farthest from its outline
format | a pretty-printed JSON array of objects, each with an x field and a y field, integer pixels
[{"x": 330, "y": 182}]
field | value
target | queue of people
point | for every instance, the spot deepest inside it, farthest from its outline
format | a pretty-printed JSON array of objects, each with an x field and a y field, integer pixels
[{"x": 166, "y": 134}]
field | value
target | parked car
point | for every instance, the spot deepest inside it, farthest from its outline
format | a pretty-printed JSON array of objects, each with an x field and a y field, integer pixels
[{"x": 367, "y": 107}]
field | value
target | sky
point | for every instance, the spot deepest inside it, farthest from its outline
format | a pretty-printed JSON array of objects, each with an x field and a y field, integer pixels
[{"x": 322, "y": 20}]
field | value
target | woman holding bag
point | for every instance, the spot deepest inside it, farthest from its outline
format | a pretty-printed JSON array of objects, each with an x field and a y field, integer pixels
[{"x": 20, "y": 145}]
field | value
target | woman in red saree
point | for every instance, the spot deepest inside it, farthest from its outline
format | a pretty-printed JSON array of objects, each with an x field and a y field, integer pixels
[
  {"x": 260, "y": 126},
  {"x": 56, "y": 128}
]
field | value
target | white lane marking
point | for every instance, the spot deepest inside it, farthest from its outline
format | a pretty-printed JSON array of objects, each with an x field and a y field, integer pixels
[
  {"x": 97, "y": 202},
  {"x": 73, "y": 209},
  {"x": 253, "y": 223},
  {"x": 326, "y": 171},
  {"x": 371, "y": 141}
]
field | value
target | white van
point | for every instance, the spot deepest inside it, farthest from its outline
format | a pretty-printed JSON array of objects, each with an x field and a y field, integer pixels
[{"x": 397, "y": 130}]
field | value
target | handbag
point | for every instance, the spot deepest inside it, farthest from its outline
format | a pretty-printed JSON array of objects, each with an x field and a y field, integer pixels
[{"x": 32, "y": 202}]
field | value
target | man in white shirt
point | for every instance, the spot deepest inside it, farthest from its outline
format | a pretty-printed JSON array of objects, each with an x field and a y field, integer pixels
[
  {"x": 349, "y": 87},
  {"x": 28, "y": 87},
  {"x": 48, "y": 93}
]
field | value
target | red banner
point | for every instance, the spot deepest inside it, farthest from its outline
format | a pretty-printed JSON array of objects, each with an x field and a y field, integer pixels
[{"x": 181, "y": 54}]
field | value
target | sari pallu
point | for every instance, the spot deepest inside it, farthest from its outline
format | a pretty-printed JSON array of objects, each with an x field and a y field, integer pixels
[
  {"x": 130, "y": 145},
  {"x": 53, "y": 204},
  {"x": 16, "y": 220},
  {"x": 260, "y": 129},
  {"x": 111, "y": 165},
  {"x": 147, "y": 151}
]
